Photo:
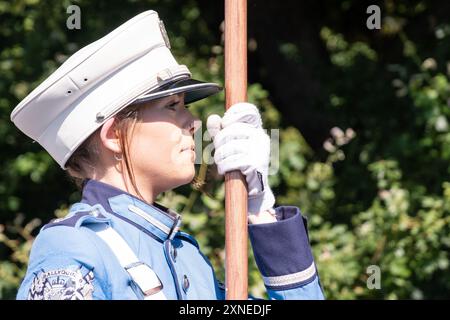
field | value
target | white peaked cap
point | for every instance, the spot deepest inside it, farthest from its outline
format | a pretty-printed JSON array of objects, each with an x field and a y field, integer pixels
[{"x": 131, "y": 64}]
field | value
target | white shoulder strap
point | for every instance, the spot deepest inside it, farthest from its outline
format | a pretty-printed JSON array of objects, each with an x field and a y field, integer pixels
[{"x": 143, "y": 276}]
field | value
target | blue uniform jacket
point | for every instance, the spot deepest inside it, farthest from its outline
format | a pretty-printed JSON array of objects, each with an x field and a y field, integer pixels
[{"x": 70, "y": 261}]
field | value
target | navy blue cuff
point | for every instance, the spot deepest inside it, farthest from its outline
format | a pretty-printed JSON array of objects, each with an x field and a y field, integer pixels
[{"x": 282, "y": 251}]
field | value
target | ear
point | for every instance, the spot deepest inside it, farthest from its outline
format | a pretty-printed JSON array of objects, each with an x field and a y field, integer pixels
[{"x": 109, "y": 137}]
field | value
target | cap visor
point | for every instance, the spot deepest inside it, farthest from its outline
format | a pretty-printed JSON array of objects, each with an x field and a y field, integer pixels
[{"x": 194, "y": 90}]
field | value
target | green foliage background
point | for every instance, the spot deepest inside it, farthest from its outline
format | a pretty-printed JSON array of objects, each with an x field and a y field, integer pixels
[{"x": 374, "y": 183}]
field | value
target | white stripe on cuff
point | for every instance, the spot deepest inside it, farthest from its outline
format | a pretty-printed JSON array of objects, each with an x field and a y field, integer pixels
[{"x": 292, "y": 278}]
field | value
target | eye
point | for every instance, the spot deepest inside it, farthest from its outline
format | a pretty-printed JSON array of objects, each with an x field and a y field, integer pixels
[{"x": 173, "y": 105}]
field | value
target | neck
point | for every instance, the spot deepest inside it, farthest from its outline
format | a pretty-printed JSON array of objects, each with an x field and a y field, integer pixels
[{"x": 123, "y": 182}]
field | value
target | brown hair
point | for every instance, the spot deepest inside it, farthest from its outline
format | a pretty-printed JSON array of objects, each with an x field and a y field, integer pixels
[{"x": 87, "y": 154}]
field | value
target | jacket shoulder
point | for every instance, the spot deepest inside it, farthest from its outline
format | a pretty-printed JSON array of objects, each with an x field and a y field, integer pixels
[
  {"x": 68, "y": 256},
  {"x": 68, "y": 237},
  {"x": 78, "y": 219},
  {"x": 187, "y": 237},
  {"x": 65, "y": 246}
]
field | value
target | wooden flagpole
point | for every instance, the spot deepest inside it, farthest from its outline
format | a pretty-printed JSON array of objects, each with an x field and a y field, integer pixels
[{"x": 236, "y": 234}]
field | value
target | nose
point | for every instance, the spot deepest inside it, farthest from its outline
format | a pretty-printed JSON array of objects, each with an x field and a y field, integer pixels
[
  {"x": 195, "y": 125},
  {"x": 192, "y": 123}
]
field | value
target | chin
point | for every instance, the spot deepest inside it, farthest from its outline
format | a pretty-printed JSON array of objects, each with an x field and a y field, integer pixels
[
  {"x": 190, "y": 174},
  {"x": 185, "y": 176}
]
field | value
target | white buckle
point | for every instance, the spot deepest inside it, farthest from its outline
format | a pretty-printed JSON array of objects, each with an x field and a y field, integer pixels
[{"x": 145, "y": 278}]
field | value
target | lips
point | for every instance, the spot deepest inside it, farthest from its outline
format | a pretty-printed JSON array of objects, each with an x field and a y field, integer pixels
[{"x": 191, "y": 148}]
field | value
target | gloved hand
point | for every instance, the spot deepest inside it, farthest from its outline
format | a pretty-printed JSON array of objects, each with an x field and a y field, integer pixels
[{"x": 241, "y": 144}]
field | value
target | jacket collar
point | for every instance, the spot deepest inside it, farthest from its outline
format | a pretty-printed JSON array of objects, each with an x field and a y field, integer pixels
[{"x": 154, "y": 219}]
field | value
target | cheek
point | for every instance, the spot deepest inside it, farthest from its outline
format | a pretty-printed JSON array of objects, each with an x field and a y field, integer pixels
[
  {"x": 155, "y": 152},
  {"x": 156, "y": 144}
]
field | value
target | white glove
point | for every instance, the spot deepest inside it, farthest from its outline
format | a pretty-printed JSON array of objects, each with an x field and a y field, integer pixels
[{"x": 241, "y": 144}]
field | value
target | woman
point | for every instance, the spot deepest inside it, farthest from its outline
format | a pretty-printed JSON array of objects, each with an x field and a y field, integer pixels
[{"x": 114, "y": 115}]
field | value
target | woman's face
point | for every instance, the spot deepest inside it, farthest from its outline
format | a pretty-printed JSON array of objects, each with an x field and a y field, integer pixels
[{"x": 161, "y": 147}]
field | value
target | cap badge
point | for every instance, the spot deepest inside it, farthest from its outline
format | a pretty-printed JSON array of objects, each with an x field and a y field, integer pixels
[{"x": 164, "y": 33}]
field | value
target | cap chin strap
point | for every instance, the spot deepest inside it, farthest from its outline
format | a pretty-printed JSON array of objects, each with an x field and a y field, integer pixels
[{"x": 144, "y": 280}]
